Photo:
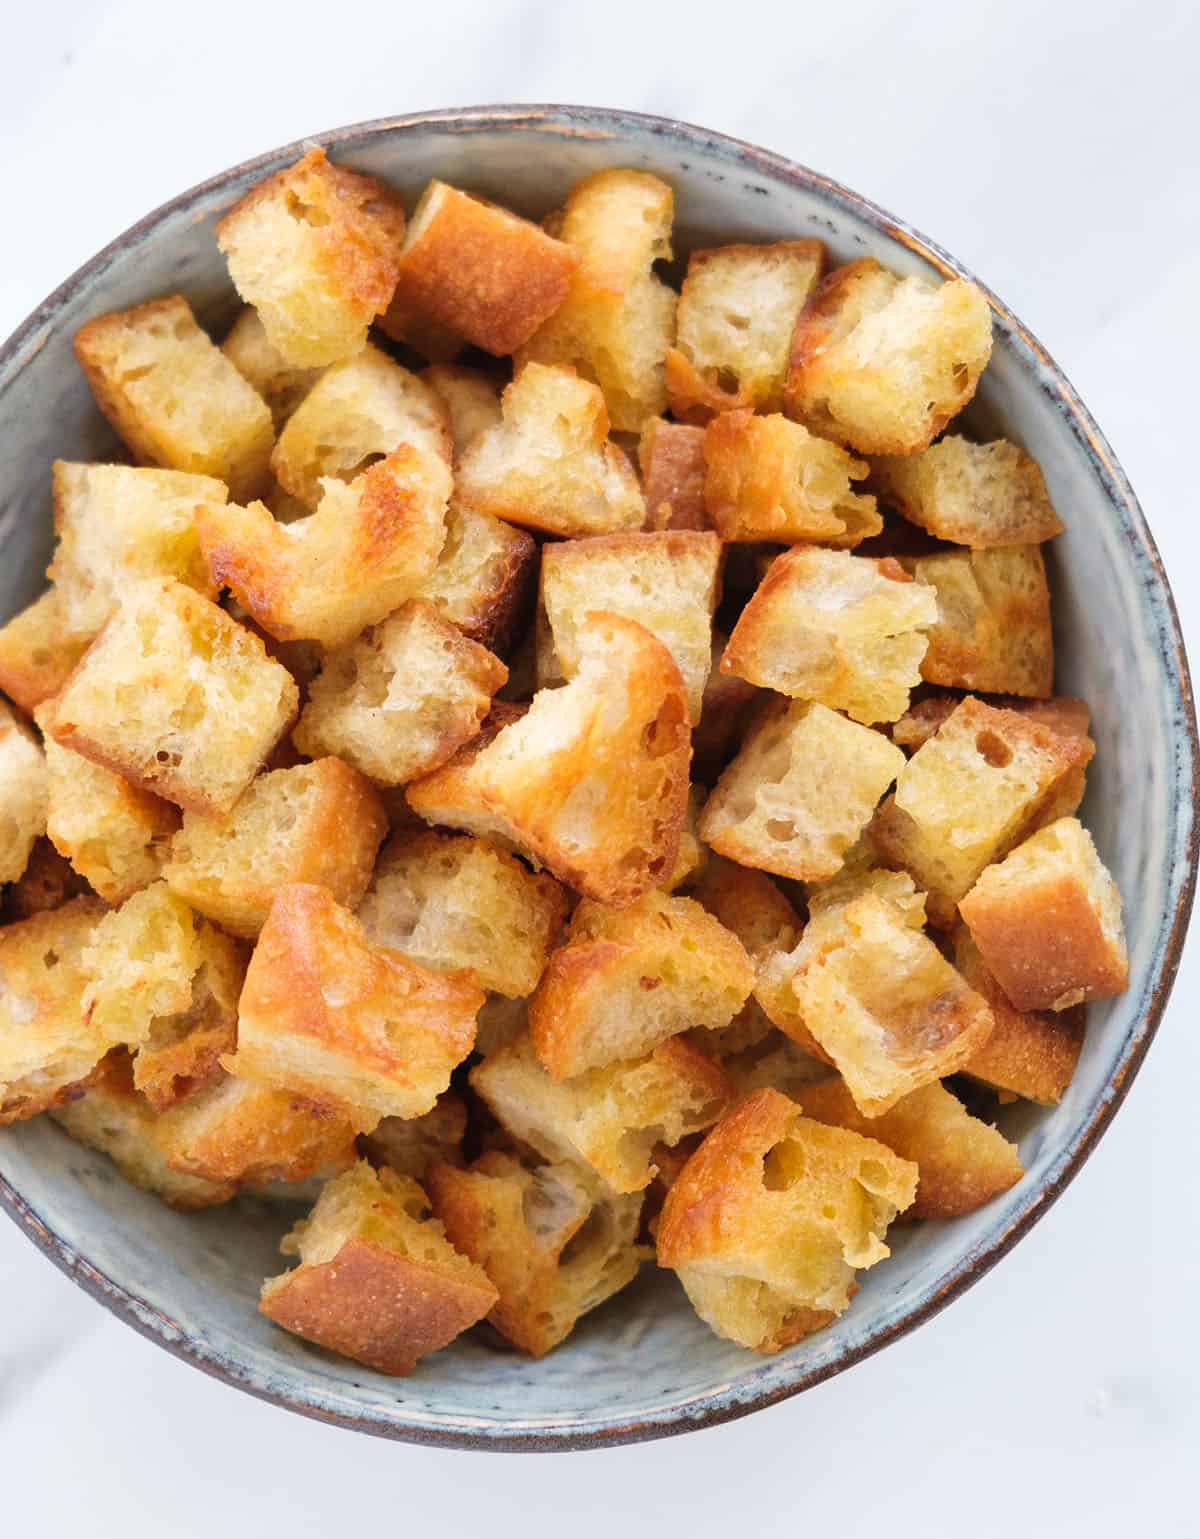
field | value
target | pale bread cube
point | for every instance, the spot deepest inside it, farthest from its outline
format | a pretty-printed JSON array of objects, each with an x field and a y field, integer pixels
[
  {"x": 472, "y": 398},
  {"x": 24, "y": 794},
  {"x": 410, "y": 1146},
  {"x": 748, "y": 903},
  {"x": 405, "y": 323},
  {"x": 281, "y": 384},
  {"x": 38, "y": 652},
  {"x": 484, "y": 578},
  {"x": 982, "y": 495}
]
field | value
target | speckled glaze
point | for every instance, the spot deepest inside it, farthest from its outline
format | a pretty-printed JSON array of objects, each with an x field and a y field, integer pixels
[{"x": 644, "y": 1366}]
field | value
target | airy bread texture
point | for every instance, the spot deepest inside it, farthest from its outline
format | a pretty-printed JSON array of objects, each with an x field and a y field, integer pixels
[
  {"x": 281, "y": 384},
  {"x": 328, "y": 1016},
  {"x": 38, "y": 652},
  {"x": 369, "y": 546},
  {"x": 618, "y": 318},
  {"x": 320, "y": 823},
  {"x": 451, "y": 797},
  {"x": 771, "y": 1217},
  {"x": 409, "y": 1146},
  {"x": 737, "y": 311},
  {"x": 455, "y": 903},
  {"x": 484, "y": 578},
  {"x": 982, "y": 495},
  {"x": 881, "y": 363},
  {"x": 608, "y": 1119},
  {"x": 669, "y": 582},
  {"x": 629, "y": 978},
  {"x": 671, "y": 459},
  {"x": 140, "y": 961},
  {"x": 472, "y": 398},
  {"x": 24, "y": 794},
  {"x": 177, "y": 697},
  {"x": 552, "y": 1245},
  {"x": 315, "y": 249},
  {"x": 401, "y": 699},
  {"x": 174, "y": 397},
  {"x": 847, "y": 631},
  {"x": 480, "y": 271},
  {"x": 548, "y": 464},
  {"x": 1047, "y": 921},
  {"x": 800, "y": 791},
  {"x": 771, "y": 479},
  {"x": 378, "y": 1281},
  {"x": 750, "y": 904}
]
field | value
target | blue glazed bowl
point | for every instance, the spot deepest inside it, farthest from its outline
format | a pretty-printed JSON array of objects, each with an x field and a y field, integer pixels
[{"x": 643, "y": 1366}]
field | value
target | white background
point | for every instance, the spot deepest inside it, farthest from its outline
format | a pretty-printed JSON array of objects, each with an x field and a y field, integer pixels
[{"x": 1053, "y": 148}]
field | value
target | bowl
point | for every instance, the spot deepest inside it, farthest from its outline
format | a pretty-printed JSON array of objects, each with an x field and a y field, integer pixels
[{"x": 643, "y": 1366}]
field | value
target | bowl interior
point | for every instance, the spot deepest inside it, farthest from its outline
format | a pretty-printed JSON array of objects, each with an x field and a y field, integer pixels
[{"x": 643, "y": 1365}]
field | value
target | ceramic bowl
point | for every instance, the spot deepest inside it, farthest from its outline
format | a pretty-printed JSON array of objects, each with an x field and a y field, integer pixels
[{"x": 643, "y": 1366}]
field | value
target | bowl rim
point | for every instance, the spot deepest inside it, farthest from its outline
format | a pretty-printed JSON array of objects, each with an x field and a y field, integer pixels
[{"x": 711, "y": 1407}]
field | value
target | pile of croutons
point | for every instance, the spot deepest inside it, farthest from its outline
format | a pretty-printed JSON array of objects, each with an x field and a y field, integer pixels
[{"x": 511, "y": 774}]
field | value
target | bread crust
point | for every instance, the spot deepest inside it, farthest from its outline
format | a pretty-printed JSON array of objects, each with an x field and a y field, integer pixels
[
  {"x": 487, "y": 601},
  {"x": 671, "y": 459},
  {"x": 37, "y": 652}
]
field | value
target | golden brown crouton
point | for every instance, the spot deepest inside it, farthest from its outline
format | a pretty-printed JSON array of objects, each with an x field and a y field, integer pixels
[
  {"x": 472, "y": 398},
  {"x": 881, "y": 363},
  {"x": 174, "y": 397},
  {"x": 629, "y": 978},
  {"x": 397, "y": 702},
  {"x": 451, "y": 796},
  {"x": 140, "y": 962},
  {"x": 737, "y": 311},
  {"x": 618, "y": 318},
  {"x": 315, "y": 249},
  {"x": 410, "y": 1145},
  {"x": 800, "y": 791},
  {"x": 847, "y": 631},
  {"x": 980, "y": 495},
  {"x": 281, "y": 384},
  {"x": 481, "y": 271},
  {"x": 340, "y": 1022},
  {"x": 671, "y": 459},
  {"x": 23, "y": 794},
  {"x": 378, "y": 1281},
  {"x": 38, "y": 652},
  {"x": 47, "y": 882},
  {"x": 484, "y": 576},
  {"x": 320, "y": 823},
  {"x": 750, "y": 904},
  {"x": 553, "y": 1246},
  {"x": 771, "y": 1217},
  {"x": 177, "y": 697},
  {"x": 548, "y": 464}
]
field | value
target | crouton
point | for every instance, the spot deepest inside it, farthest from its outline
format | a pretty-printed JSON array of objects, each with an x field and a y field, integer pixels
[
  {"x": 38, "y": 652},
  {"x": 23, "y": 794},
  {"x": 771, "y": 1217},
  {"x": 750, "y": 905},
  {"x": 407, "y": 324},
  {"x": 328, "y": 1016},
  {"x": 726, "y": 707},
  {"x": 108, "y": 1114},
  {"x": 671, "y": 459},
  {"x": 629, "y": 978},
  {"x": 315, "y": 249},
  {"x": 47, "y": 882},
  {"x": 669, "y": 582},
  {"x": 378, "y": 1281},
  {"x": 800, "y": 791},
  {"x": 552, "y": 1245},
  {"x": 46, "y": 1043},
  {"x": 609, "y": 1119},
  {"x": 770, "y": 479},
  {"x": 357, "y": 412},
  {"x": 484, "y": 576},
  {"x": 774, "y": 1061},
  {"x": 281, "y": 384},
  {"x": 481, "y": 271},
  {"x": 472, "y": 398},
  {"x": 320, "y": 823},
  {"x": 618, "y": 318},
  {"x": 140, "y": 961},
  {"x": 174, "y": 397},
  {"x": 451, "y": 796},
  {"x": 881, "y": 363},
  {"x": 549, "y": 464},
  {"x": 409, "y": 1146},
  {"x": 737, "y": 312},
  {"x": 500, "y": 1022},
  {"x": 397, "y": 702},
  {"x": 176, "y": 697},
  {"x": 458, "y": 904}
]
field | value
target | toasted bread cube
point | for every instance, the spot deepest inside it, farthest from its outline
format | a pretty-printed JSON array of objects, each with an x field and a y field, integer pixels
[
  {"x": 140, "y": 961},
  {"x": 481, "y": 271},
  {"x": 320, "y": 823},
  {"x": 38, "y": 652},
  {"x": 451, "y": 796},
  {"x": 357, "y": 411},
  {"x": 401, "y": 699},
  {"x": 109, "y": 1115},
  {"x": 609, "y": 1119},
  {"x": 174, "y": 397},
  {"x": 969, "y": 794},
  {"x": 629, "y": 978},
  {"x": 472, "y": 398},
  {"x": 409, "y": 1146},
  {"x": 669, "y": 582},
  {"x": 484, "y": 576},
  {"x": 458, "y": 904},
  {"x": 618, "y": 318},
  {"x": 315, "y": 249},
  {"x": 119, "y": 523},
  {"x": 771, "y": 1217},
  {"x": 982, "y": 495},
  {"x": 47, "y": 882},
  {"x": 23, "y": 794},
  {"x": 737, "y": 312},
  {"x": 369, "y": 546},
  {"x": 553, "y": 1246},
  {"x": 671, "y": 459},
  {"x": 800, "y": 792},
  {"x": 548, "y": 464},
  {"x": 500, "y": 1022},
  {"x": 281, "y": 384},
  {"x": 415, "y": 328},
  {"x": 776, "y": 1062},
  {"x": 378, "y": 1281},
  {"x": 750, "y": 905},
  {"x": 726, "y": 708},
  {"x": 46, "y": 1042},
  {"x": 847, "y": 631},
  {"x": 881, "y": 363},
  {"x": 325, "y": 1014},
  {"x": 177, "y": 697}
]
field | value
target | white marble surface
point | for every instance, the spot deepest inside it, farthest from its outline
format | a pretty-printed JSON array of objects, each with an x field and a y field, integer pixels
[{"x": 1052, "y": 148}]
